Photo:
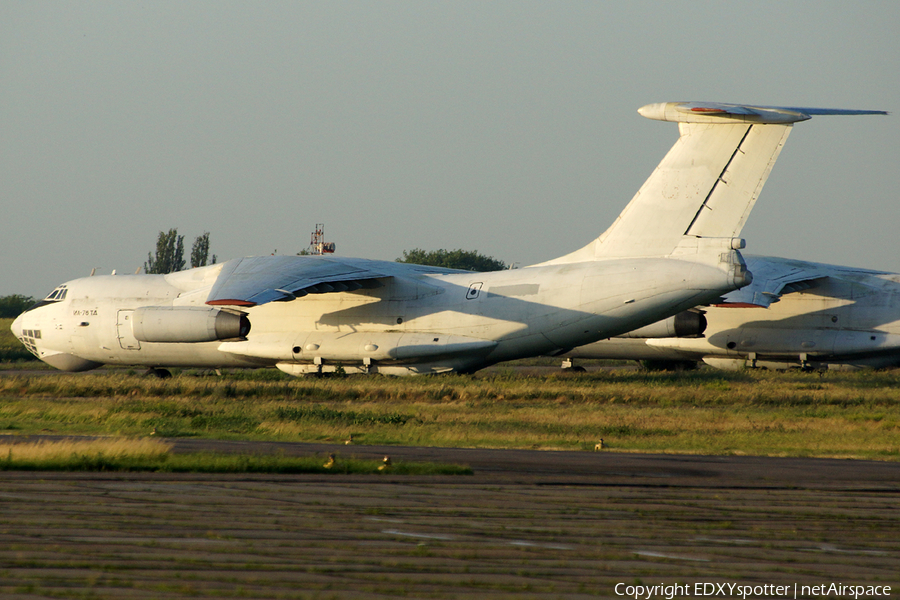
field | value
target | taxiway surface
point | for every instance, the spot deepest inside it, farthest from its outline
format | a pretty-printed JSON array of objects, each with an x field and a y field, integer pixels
[{"x": 527, "y": 524}]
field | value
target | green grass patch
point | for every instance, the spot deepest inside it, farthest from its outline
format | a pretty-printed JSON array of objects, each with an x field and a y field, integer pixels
[
  {"x": 833, "y": 414},
  {"x": 345, "y": 417}
]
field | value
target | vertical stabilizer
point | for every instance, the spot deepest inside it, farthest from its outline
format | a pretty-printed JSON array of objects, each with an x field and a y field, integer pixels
[{"x": 706, "y": 185}]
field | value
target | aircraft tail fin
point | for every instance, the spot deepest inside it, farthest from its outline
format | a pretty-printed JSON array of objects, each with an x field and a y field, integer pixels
[{"x": 707, "y": 184}]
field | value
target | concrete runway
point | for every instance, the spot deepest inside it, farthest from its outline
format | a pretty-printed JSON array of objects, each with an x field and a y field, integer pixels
[{"x": 527, "y": 524}]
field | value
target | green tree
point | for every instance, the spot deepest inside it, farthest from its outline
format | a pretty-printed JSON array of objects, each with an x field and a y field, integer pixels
[
  {"x": 14, "y": 305},
  {"x": 200, "y": 251},
  {"x": 169, "y": 254},
  {"x": 467, "y": 260}
]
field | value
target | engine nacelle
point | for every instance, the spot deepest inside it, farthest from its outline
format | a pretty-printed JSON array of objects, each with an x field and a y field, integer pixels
[
  {"x": 684, "y": 324},
  {"x": 188, "y": 324}
]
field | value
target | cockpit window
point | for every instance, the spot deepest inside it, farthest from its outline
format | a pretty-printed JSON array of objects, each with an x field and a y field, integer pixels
[{"x": 57, "y": 294}]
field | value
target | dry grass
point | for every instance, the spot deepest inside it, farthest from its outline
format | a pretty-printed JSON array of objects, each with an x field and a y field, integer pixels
[
  {"x": 151, "y": 454},
  {"x": 112, "y": 448}
]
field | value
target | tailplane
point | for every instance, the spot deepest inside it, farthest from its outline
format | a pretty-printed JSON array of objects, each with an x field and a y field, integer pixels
[{"x": 706, "y": 185}]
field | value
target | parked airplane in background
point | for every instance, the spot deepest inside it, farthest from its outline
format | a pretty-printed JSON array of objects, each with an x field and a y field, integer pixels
[
  {"x": 673, "y": 247},
  {"x": 794, "y": 314}
]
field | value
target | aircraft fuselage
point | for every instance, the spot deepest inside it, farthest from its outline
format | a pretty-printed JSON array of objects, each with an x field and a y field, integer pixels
[{"x": 416, "y": 323}]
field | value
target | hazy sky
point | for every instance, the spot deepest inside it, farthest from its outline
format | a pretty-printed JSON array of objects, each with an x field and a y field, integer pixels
[{"x": 505, "y": 127}]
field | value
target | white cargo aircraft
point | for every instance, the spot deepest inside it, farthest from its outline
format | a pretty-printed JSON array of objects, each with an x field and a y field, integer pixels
[
  {"x": 795, "y": 314},
  {"x": 673, "y": 247}
]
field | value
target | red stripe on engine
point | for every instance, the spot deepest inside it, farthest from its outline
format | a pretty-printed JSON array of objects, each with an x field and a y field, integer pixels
[
  {"x": 738, "y": 305},
  {"x": 230, "y": 303}
]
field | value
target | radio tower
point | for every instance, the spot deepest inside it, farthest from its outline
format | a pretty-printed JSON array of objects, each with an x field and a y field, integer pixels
[{"x": 317, "y": 243}]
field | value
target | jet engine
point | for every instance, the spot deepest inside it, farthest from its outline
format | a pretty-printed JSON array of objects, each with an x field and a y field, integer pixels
[
  {"x": 689, "y": 323},
  {"x": 188, "y": 324}
]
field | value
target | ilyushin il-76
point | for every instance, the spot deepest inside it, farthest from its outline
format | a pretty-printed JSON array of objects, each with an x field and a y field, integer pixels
[
  {"x": 676, "y": 245},
  {"x": 795, "y": 314}
]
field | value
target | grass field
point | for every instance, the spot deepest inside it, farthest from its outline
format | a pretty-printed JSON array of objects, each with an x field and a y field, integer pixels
[{"x": 707, "y": 412}]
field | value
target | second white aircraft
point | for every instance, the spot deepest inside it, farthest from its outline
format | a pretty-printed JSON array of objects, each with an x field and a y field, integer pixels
[
  {"x": 795, "y": 314},
  {"x": 674, "y": 246}
]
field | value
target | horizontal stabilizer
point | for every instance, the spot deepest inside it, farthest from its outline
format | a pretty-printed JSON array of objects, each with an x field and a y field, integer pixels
[{"x": 717, "y": 112}]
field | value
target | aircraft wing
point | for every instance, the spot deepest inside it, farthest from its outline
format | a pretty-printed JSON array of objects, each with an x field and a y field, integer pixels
[
  {"x": 260, "y": 279},
  {"x": 773, "y": 277}
]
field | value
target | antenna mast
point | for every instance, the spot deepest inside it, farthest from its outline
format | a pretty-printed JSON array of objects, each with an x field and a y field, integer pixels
[{"x": 317, "y": 242}]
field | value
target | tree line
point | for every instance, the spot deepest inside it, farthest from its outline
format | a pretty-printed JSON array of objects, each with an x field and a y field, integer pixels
[
  {"x": 169, "y": 256},
  {"x": 467, "y": 260},
  {"x": 14, "y": 305}
]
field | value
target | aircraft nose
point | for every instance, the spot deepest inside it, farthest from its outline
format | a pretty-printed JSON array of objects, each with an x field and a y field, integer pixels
[{"x": 16, "y": 327}]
